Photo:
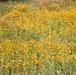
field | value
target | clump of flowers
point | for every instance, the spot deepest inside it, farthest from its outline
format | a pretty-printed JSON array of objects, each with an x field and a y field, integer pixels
[{"x": 35, "y": 39}]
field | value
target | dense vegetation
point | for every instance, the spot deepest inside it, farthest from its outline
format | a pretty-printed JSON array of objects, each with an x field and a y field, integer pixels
[{"x": 37, "y": 40}]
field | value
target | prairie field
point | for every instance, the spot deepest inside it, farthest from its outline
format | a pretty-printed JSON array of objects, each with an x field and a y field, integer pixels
[{"x": 37, "y": 39}]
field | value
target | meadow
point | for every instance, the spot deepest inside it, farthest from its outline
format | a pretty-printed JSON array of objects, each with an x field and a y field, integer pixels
[{"x": 37, "y": 39}]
